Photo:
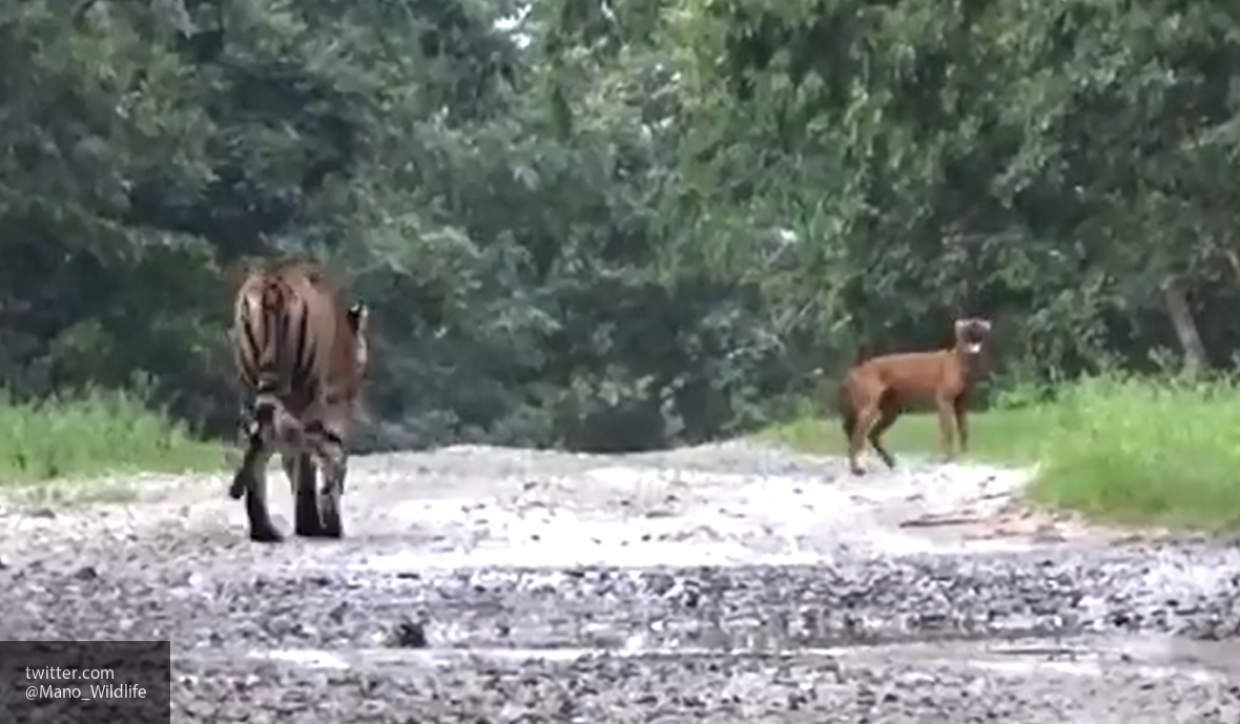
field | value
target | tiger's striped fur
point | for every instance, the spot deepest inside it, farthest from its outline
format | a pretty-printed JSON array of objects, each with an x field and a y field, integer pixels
[{"x": 301, "y": 352}]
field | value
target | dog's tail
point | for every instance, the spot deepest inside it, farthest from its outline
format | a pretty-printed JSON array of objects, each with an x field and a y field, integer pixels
[{"x": 862, "y": 354}]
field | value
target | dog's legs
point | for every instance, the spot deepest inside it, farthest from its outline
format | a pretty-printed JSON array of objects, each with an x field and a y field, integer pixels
[
  {"x": 848, "y": 421},
  {"x": 947, "y": 420},
  {"x": 866, "y": 419},
  {"x": 962, "y": 426},
  {"x": 888, "y": 414}
]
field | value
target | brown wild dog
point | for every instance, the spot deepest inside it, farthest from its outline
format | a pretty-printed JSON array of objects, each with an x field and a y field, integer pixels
[
  {"x": 301, "y": 354},
  {"x": 877, "y": 390}
]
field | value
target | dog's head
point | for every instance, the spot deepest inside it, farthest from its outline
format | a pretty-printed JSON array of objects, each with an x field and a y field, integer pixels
[{"x": 971, "y": 334}]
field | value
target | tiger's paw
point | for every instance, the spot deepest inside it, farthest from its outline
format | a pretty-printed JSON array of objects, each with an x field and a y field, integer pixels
[
  {"x": 265, "y": 534},
  {"x": 329, "y": 517}
]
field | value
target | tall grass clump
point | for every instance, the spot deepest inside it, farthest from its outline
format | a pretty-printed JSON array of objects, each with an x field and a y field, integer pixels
[
  {"x": 91, "y": 433},
  {"x": 1144, "y": 450}
]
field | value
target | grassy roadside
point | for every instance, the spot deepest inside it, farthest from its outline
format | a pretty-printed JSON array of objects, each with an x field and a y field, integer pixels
[
  {"x": 91, "y": 435},
  {"x": 1125, "y": 450}
]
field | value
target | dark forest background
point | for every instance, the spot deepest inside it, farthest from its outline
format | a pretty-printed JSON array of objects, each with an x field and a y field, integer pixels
[{"x": 616, "y": 225}]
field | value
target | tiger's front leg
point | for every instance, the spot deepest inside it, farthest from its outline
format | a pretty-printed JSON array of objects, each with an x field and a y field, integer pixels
[
  {"x": 334, "y": 470},
  {"x": 334, "y": 463},
  {"x": 251, "y": 480},
  {"x": 300, "y": 469}
]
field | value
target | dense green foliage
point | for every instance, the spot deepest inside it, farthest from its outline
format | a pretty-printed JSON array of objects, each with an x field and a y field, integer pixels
[{"x": 619, "y": 224}]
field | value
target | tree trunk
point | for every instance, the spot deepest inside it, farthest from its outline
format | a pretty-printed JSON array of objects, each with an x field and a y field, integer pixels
[{"x": 1185, "y": 328}]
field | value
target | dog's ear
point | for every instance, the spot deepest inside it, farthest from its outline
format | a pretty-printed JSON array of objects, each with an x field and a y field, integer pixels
[
  {"x": 985, "y": 324},
  {"x": 961, "y": 326}
]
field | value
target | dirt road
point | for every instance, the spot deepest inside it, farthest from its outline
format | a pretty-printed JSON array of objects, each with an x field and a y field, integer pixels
[{"x": 718, "y": 584}]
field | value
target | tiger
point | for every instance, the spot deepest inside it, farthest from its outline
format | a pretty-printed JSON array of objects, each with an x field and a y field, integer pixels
[{"x": 301, "y": 354}]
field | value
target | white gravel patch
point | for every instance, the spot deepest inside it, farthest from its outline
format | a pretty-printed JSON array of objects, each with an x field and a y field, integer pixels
[
  {"x": 643, "y": 515},
  {"x": 477, "y": 506}
]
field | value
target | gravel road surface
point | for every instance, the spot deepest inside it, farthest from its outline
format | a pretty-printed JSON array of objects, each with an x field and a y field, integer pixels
[{"x": 726, "y": 583}]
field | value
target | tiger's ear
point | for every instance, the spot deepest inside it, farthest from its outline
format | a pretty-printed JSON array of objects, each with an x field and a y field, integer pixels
[
  {"x": 359, "y": 314},
  {"x": 236, "y": 273}
]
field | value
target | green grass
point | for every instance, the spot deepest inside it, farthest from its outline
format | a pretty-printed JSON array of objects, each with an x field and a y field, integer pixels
[
  {"x": 1122, "y": 449},
  {"x": 91, "y": 435}
]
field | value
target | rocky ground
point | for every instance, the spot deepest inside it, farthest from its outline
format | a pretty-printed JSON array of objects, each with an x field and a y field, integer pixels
[{"x": 718, "y": 584}]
